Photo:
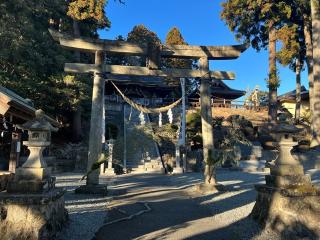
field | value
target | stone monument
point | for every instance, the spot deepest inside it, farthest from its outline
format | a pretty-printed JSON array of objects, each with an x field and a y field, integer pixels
[
  {"x": 178, "y": 169},
  {"x": 32, "y": 205},
  {"x": 288, "y": 202},
  {"x": 110, "y": 170},
  {"x": 254, "y": 161}
]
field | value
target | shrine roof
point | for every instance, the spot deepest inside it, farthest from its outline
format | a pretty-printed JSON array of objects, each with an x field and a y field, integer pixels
[
  {"x": 291, "y": 96},
  {"x": 221, "y": 90},
  {"x": 13, "y": 104}
]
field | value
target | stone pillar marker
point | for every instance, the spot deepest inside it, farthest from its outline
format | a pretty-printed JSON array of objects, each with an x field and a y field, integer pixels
[
  {"x": 178, "y": 169},
  {"x": 32, "y": 203},
  {"x": 110, "y": 170},
  {"x": 288, "y": 202}
]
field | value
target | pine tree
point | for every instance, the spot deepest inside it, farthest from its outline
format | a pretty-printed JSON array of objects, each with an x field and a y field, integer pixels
[
  {"x": 84, "y": 14},
  {"x": 89, "y": 10},
  {"x": 174, "y": 37},
  {"x": 257, "y": 22},
  {"x": 141, "y": 35}
]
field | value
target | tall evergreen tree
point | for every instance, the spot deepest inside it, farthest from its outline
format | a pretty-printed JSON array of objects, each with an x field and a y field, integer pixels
[
  {"x": 87, "y": 17},
  {"x": 257, "y": 22},
  {"x": 142, "y": 35},
  {"x": 30, "y": 61},
  {"x": 174, "y": 37}
]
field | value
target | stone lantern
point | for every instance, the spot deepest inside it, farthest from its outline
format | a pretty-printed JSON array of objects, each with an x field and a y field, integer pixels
[
  {"x": 32, "y": 204},
  {"x": 34, "y": 176},
  {"x": 288, "y": 202}
]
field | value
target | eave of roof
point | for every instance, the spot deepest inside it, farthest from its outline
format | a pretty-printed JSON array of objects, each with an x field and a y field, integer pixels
[{"x": 13, "y": 103}]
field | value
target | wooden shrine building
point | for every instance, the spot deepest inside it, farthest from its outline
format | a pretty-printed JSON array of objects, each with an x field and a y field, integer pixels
[{"x": 221, "y": 93}]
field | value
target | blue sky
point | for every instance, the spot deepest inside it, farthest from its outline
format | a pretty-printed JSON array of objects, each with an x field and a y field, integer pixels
[{"x": 200, "y": 24}]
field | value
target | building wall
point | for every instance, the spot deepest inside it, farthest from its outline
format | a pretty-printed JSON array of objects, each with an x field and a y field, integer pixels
[{"x": 292, "y": 107}]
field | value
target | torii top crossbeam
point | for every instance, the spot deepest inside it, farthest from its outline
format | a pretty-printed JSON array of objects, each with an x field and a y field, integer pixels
[
  {"x": 113, "y": 47},
  {"x": 166, "y": 51}
]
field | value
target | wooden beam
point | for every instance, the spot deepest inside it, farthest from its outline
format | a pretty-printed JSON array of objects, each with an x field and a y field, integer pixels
[
  {"x": 170, "y": 51},
  {"x": 210, "y": 52},
  {"x": 144, "y": 71},
  {"x": 93, "y": 45}
]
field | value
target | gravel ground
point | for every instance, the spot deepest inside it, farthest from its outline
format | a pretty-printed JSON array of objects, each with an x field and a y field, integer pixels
[
  {"x": 86, "y": 212},
  {"x": 177, "y": 211},
  {"x": 230, "y": 209}
]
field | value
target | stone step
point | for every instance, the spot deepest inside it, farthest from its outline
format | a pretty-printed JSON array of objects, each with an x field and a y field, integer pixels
[
  {"x": 146, "y": 170},
  {"x": 253, "y": 166},
  {"x": 153, "y": 165},
  {"x": 135, "y": 166}
]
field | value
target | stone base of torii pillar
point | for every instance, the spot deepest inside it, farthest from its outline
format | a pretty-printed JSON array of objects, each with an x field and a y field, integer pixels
[{"x": 288, "y": 203}]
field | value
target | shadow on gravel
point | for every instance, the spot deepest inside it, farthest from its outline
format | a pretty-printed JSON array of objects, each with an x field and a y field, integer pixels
[
  {"x": 236, "y": 231},
  {"x": 172, "y": 211}
]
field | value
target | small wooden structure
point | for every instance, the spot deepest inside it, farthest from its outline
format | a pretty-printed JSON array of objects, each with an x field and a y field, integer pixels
[
  {"x": 14, "y": 110},
  {"x": 289, "y": 101}
]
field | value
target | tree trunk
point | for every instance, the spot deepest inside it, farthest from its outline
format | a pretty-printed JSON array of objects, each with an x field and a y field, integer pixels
[
  {"x": 77, "y": 113},
  {"x": 273, "y": 79},
  {"x": 206, "y": 122},
  {"x": 298, "y": 90},
  {"x": 309, "y": 60},
  {"x": 315, "y": 12}
]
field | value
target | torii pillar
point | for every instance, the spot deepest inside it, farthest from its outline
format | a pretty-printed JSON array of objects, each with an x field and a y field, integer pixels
[
  {"x": 95, "y": 147},
  {"x": 206, "y": 120}
]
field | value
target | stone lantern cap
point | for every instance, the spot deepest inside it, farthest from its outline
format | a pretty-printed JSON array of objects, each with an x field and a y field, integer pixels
[
  {"x": 285, "y": 128},
  {"x": 39, "y": 123}
]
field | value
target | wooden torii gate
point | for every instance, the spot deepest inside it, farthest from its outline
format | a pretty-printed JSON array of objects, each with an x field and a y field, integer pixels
[{"x": 153, "y": 55}]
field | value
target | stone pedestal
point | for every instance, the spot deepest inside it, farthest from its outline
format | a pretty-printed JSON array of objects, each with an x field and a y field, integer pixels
[
  {"x": 288, "y": 202},
  {"x": 109, "y": 172},
  {"x": 32, "y": 216},
  {"x": 294, "y": 213}
]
